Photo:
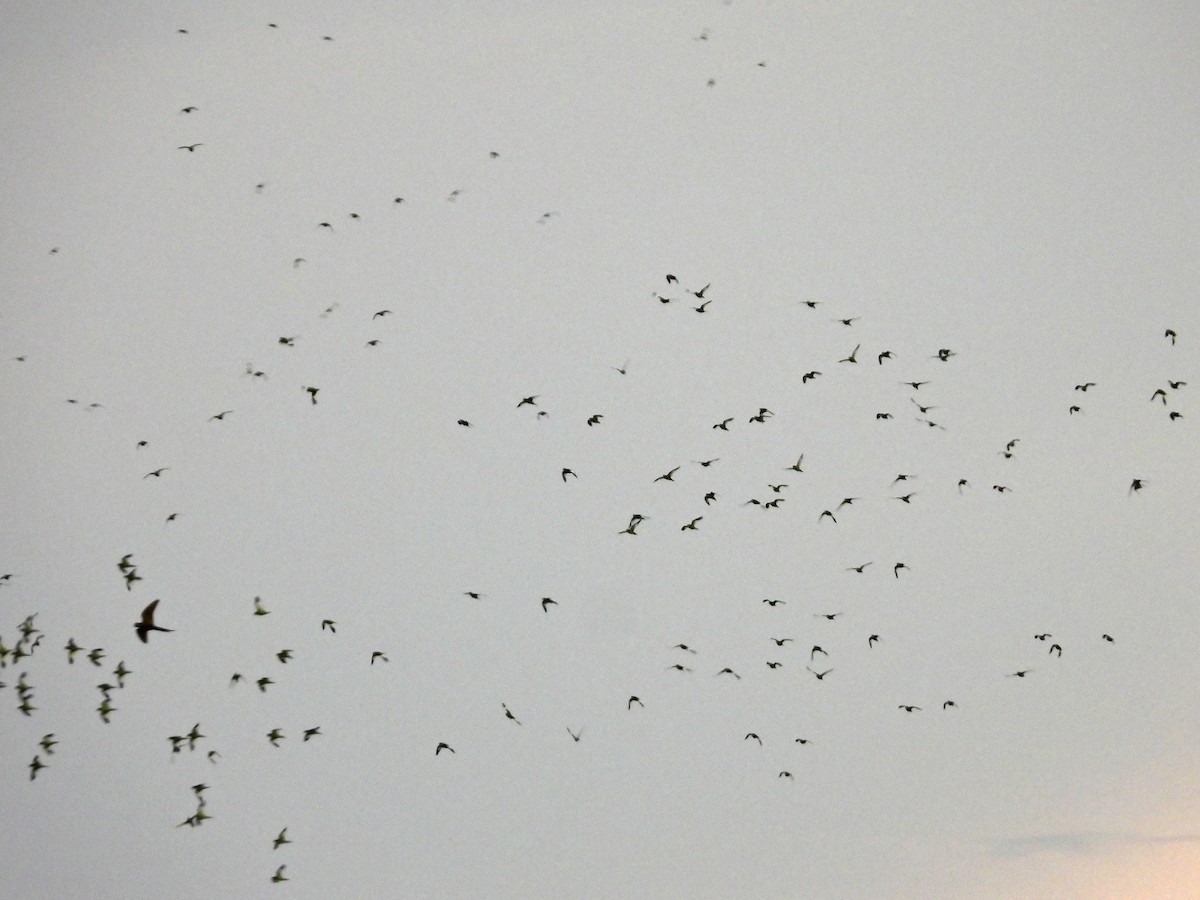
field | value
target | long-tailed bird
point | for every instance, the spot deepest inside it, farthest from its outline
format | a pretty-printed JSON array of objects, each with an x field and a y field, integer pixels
[{"x": 146, "y": 624}]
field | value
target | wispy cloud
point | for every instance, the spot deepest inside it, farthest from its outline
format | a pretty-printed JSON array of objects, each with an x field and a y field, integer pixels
[{"x": 1082, "y": 843}]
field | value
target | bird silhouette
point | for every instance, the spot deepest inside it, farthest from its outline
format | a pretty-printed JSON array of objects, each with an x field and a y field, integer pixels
[
  {"x": 871, "y": 640},
  {"x": 897, "y": 567},
  {"x": 634, "y": 699},
  {"x": 311, "y": 733},
  {"x": 259, "y": 609},
  {"x": 858, "y": 569},
  {"x": 509, "y": 715},
  {"x": 330, "y": 624},
  {"x": 275, "y": 735},
  {"x": 279, "y": 876},
  {"x": 575, "y": 735},
  {"x": 442, "y": 745},
  {"x": 691, "y": 526},
  {"x": 723, "y": 424},
  {"x": 909, "y": 708},
  {"x": 669, "y": 476},
  {"x": 157, "y": 473},
  {"x": 191, "y": 148},
  {"x": 547, "y": 603},
  {"x": 378, "y": 654},
  {"x": 852, "y": 358},
  {"x": 820, "y": 675},
  {"x": 566, "y": 472},
  {"x": 753, "y": 736},
  {"x": 146, "y": 624},
  {"x": 280, "y": 840}
]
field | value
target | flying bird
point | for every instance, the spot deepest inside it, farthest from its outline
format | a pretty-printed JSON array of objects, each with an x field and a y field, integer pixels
[
  {"x": 442, "y": 745},
  {"x": 509, "y": 715},
  {"x": 669, "y": 476},
  {"x": 280, "y": 839},
  {"x": 191, "y": 148},
  {"x": 146, "y": 624},
  {"x": 157, "y": 473},
  {"x": 547, "y": 603}
]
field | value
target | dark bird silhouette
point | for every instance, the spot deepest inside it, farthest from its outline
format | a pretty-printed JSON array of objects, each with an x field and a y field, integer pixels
[
  {"x": 219, "y": 416},
  {"x": 575, "y": 735},
  {"x": 753, "y": 736},
  {"x": 848, "y": 322},
  {"x": 786, "y": 774},
  {"x": 157, "y": 473},
  {"x": 1084, "y": 387},
  {"x": 280, "y": 840},
  {"x": 312, "y": 394},
  {"x": 330, "y": 624},
  {"x": 883, "y": 415},
  {"x": 146, "y": 624},
  {"x": 442, "y": 745},
  {"x": 809, "y": 376},
  {"x": 816, "y": 648},
  {"x": 1106, "y": 637},
  {"x": 897, "y": 567},
  {"x": 779, "y": 642},
  {"x": 378, "y": 654},
  {"x": 683, "y": 647},
  {"x": 464, "y": 423},
  {"x": 312, "y": 732},
  {"x": 634, "y": 699},
  {"x": 1072, "y": 410},
  {"x": 1020, "y": 674},
  {"x": 858, "y": 569},
  {"x": 1170, "y": 335},
  {"x": 871, "y": 640},
  {"x": 886, "y": 354},
  {"x": 1174, "y": 414},
  {"x": 775, "y": 603},
  {"x": 531, "y": 400},
  {"x": 709, "y": 498},
  {"x": 671, "y": 279},
  {"x": 1056, "y": 647},
  {"x": 825, "y": 513},
  {"x": 944, "y": 355},
  {"x": 699, "y": 295},
  {"x": 382, "y": 313},
  {"x": 1042, "y": 637},
  {"x": 691, "y": 526},
  {"x": 853, "y": 357},
  {"x": 547, "y": 603},
  {"x": 190, "y": 109},
  {"x": 1176, "y": 385},
  {"x": 566, "y": 472},
  {"x": 669, "y": 476},
  {"x": 594, "y": 420},
  {"x": 729, "y": 671},
  {"x": 795, "y": 467},
  {"x": 1136, "y": 485},
  {"x": 724, "y": 424},
  {"x": 907, "y": 498},
  {"x": 909, "y": 708},
  {"x": 36, "y": 766},
  {"x": 1160, "y": 394},
  {"x": 915, "y": 385},
  {"x": 191, "y": 148},
  {"x": 820, "y": 675},
  {"x": 279, "y": 876},
  {"x": 702, "y": 307},
  {"x": 948, "y": 704},
  {"x": 829, "y": 616},
  {"x": 811, "y": 304}
]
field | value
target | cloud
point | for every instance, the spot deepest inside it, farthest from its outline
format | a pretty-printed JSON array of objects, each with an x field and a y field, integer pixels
[{"x": 1084, "y": 843}]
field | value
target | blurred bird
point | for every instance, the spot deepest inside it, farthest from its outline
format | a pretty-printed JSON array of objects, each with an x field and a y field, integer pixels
[
  {"x": 442, "y": 745},
  {"x": 280, "y": 840},
  {"x": 146, "y": 624}
]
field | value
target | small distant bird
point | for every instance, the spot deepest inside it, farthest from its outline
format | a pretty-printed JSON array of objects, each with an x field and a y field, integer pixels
[
  {"x": 683, "y": 647},
  {"x": 575, "y": 735},
  {"x": 464, "y": 423},
  {"x": 829, "y": 616},
  {"x": 897, "y": 567},
  {"x": 724, "y": 424},
  {"x": 886, "y": 354},
  {"x": 702, "y": 307},
  {"x": 634, "y": 699},
  {"x": 1176, "y": 385},
  {"x": 871, "y": 640},
  {"x": 189, "y": 109},
  {"x": 378, "y": 654},
  {"x": 848, "y": 322},
  {"x": 852, "y": 358},
  {"x": 1042, "y": 637},
  {"x": 729, "y": 671},
  {"x": 275, "y": 735},
  {"x": 709, "y": 497},
  {"x": 442, "y": 745},
  {"x": 691, "y": 526},
  {"x": 915, "y": 385},
  {"x": 47, "y": 743},
  {"x": 820, "y": 675},
  {"x": 858, "y": 569},
  {"x": 669, "y": 476},
  {"x": 1073, "y": 409},
  {"x": 671, "y": 279},
  {"x": 508, "y": 714},
  {"x": 219, "y": 416},
  {"x": 1171, "y": 335},
  {"x": 547, "y": 603},
  {"x": 948, "y": 704},
  {"x": 259, "y": 609},
  {"x": 1084, "y": 387},
  {"x": 753, "y": 736},
  {"x": 909, "y": 708},
  {"x": 312, "y": 394},
  {"x": 279, "y": 876},
  {"x": 773, "y": 665},
  {"x": 72, "y": 648},
  {"x": 157, "y": 473},
  {"x": 283, "y": 656},
  {"x": 699, "y": 295},
  {"x": 594, "y": 420},
  {"x": 796, "y": 466},
  {"x": 1020, "y": 674},
  {"x": 263, "y": 683},
  {"x": 382, "y": 313},
  {"x": 775, "y": 603},
  {"x": 786, "y": 774},
  {"x": 944, "y": 355},
  {"x": 1001, "y": 488},
  {"x": 1136, "y": 485},
  {"x": 779, "y": 642},
  {"x": 191, "y": 148},
  {"x": 566, "y": 472},
  {"x": 280, "y": 840},
  {"x": 1056, "y": 647},
  {"x": 825, "y": 513},
  {"x": 531, "y": 400},
  {"x": 146, "y": 624},
  {"x": 809, "y": 376},
  {"x": 962, "y": 483},
  {"x": 330, "y": 624},
  {"x": 312, "y": 732},
  {"x": 816, "y": 648},
  {"x": 1106, "y": 637},
  {"x": 36, "y": 766}
]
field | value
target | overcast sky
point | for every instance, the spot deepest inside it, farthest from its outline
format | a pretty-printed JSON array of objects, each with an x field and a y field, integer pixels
[{"x": 1013, "y": 187}]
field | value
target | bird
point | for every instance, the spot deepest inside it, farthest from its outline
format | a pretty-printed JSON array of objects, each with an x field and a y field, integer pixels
[
  {"x": 679, "y": 667},
  {"x": 1176, "y": 385},
  {"x": 279, "y": 876},
  {"x": 909, "y": 708},
  {"x": 1106, "y": 637},
  {"x": 907, "y": 498},
  {"x": 382, "y": 313},
  {"x": 280, "y": 839},
  {"x": 1170, "y": 335},
  {"x": 330, "y": 624},
  {"x": 157, "y": 473},
  {"x": 683, "y": 647},
  {"x": 509, "y": 715},
  {"x": 852, "y": 358},
  {"x": 691, "y": 526},
  {"x": 858, "y": 569},
  {"x": 786, "y": 774},
  {"x": 190, "y": 109},
  {"x": 594, "y": 420},
  {"x": 442, "y": 745},
  {"x": 753, "y": 736},
  {"x": 724, "y": 424},
  {"x": 1058, "y": 647},
  {"x": 897, "y": 567},
  {"x": 796, "y": 466},
  {"x": 547, "y": 603},
  {"x": 1073, "y": 409},
  {"x": 773, "y": 665},
  {"x": 825, "y": 513},
  {"x": 1042, "y": 637},
  {"x": 72, "y": 648},
  {"x": 284, "y": 655},
  {"x": 259, "y": 609},
  {"x": 312, "y": 732},
  {"x": 944, "y": 355},
  {"x": 1020, "y": 673},
  {"x": 820, "y": 675},
  {"x": 710, "y": 497},
  {"x": 671, "y": 279},
  {"x": 702, "y": 307},
  {"x": 809, "y": 376},
  {"x": 219, "y": 416},
  {"x": 1085, "y": 386},
  {"x": 848, "y": 322},
  {"x": 886, "y": 354},
  {"x": 634, "y": 699},
  {"x": 35, "y": 766},
  {"x": 915, "y": 385},
  {"x": 566, "y": 472},
  {"x": 779, "y": 642},
  {"x": 528, "y": 401},
  {"x": 191, "y": 148},
  {"x": 699, "y": 295},
  {"x": 47, "y": 743},
  {"x": 770, "y": 602},
  {"x": 146, "y": 624},
  {"x": 312, "y": 394},
  {"x": 1160, "y": 394},
  {"x": 378, "y": 654},
  {"x": 729, "y": 671},
  {"x": 1136, "y": 485},
  {"x": 948, "y": 704},
  {"x": 464, "y": 423},
  {"x": 871, "y": 640},
  {"x": 829, "y": 616},
  {"x": 575, "y": 735},
  {"x": 275, "y": 735},
  {"x": 263, "y": 683},
  {"x": 816, "y": 648},
  {"x": 669, "y": 476},
  {"x": 847, "y": 501}
]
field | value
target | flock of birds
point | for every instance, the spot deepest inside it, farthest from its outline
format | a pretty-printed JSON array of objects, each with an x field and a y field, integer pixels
[{"x": 780, "y": 491}]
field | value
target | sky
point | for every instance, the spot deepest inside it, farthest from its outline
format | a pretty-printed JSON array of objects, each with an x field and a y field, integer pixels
[{"x": 446, "y": 208}]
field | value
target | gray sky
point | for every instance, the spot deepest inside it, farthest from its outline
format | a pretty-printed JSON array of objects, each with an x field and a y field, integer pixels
[{"x": 1015, "y": 184}]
